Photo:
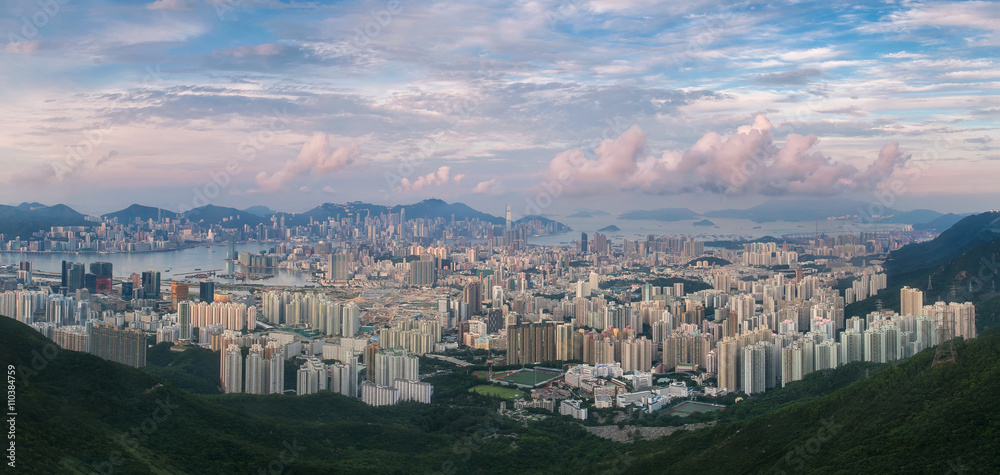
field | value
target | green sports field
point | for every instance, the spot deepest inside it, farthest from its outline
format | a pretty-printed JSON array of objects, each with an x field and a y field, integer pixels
[
  {"x": 687, "y": 408},
  {"x": 528, "y": 377},
  {"x": 496, "y": 391}
]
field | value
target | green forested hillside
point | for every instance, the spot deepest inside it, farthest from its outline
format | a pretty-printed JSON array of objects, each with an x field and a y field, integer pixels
[{"x": 907, "y": 418}]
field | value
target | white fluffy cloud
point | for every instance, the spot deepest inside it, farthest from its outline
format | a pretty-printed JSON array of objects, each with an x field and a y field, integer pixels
[
  {"x": 488, "y": 187},
  {"x": 441, "y": 177},
  {"x": 318, "y": 156},
  {"x": 747, "y": 162}
]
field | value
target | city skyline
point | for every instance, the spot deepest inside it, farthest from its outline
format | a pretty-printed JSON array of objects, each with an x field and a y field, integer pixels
[{"x": 395, "y": 102}]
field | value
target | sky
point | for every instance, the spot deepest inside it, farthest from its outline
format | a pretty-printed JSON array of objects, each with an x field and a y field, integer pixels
[{"x": 551, "y": 106}]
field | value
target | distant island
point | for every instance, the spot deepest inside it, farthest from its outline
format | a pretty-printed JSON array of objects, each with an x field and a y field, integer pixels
[
  {"x": 588, "y": 213},
  {"x": 609, "y": 229},
  {"x": 703, "y": 222}
]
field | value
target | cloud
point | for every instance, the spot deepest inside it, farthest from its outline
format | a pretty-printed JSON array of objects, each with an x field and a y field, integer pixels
[
  {"x": 808, "y": 54},
  {"x": 170, "y": 5},
  {"x": 439, "y": 178},
  {"x": 317, "y": 156},
  {"x": 329, "y": 189},
  {"x": 488, "y": 187},
  {"x": 21, "y": 47},
  {"x": 266, "y": 49},
  {"x": 795, "y": 77},
  {"x": 747, "y": 162}
]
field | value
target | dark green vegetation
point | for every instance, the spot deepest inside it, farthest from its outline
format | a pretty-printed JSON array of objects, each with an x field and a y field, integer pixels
[
  {"x": 80, "y": 414},
  {"x": 26, "y": 218},
  {"x": 962, "y": 264},
  {"x": 941, "y": 223},
  {"x": 194, "y": 369},
  {"x": 906, "y": 418},
  {"x": 609, "y": 229},
  {"x": 689, "y": 285},
  {"x": 497, "y": 391},
  {"x": 712, "y": 261}
]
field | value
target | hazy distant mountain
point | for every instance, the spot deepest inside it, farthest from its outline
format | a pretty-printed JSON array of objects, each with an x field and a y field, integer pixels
[
  {"x": 950, "y": 244},
  {"x": 27, "y": 218},
  {"x": 609, "y": 229},
  {"x": 261, "y": 211},
  {"x": 588, "y": 213},
  {"x": 662, "y": 214},
  {"x": 429, "y": 209},
  {"x": 559, "y": 227},
  {"x": 211, "y": 214},
  {"x": 942, "y": 222},
  {"x": 30, "y": 206},
  {"x": 703, "y": 222},
  {"x": 818, "y": 210},
  {"x": 435, "y": 208},
  {"x": 145, "y": 213}
]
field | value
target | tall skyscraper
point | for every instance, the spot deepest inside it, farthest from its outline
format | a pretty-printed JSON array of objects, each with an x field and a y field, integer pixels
[
  {"x": 126, "y": 346},
  {"x": 255, "y": 370},
  {"x": 509, "y": 217},
  {"x": 472, "y": 294},
  {"x": 184, "y": 319},
  {"x": 179, "y": 291},
  {"x": 76, "y": 276},
  {"x": 151, "y": 284},
  {"x": 583, "y": 242},
  {"x": 338, "y": 267},
  {"x": 206, "y": 291},
  {"x": 754, "y": 369},
  {"x": 422, "y": 272},
  {"x": 351, "y": 319},
  {"x": 274, "y": 377},
  {"x": 101, "y": 269},
  {"x": 911, "y": 301},
  {"x": 232, "y": 381},
  {"x": 729, "y": 364},
  {"x": 531, "y": 343}
]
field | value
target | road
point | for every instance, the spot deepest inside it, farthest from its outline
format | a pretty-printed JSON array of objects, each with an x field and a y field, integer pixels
[{"x": 449, "y": 359}]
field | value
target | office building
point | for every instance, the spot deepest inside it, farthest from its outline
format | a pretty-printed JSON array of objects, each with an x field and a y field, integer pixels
[
  {"x": 179, "y": 291},
  {"x": 151, "y": 284},
  {"x": 206, "y": 291}
]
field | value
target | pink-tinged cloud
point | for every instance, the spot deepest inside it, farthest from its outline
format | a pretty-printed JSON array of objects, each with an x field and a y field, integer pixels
[
  {"x": 747, "y": 162},
  {"x": 488, "y": 187},
  {"x": 439, "y": 178},
  {"x": 317, "y": 157},
  {"x": 21, "y": 47}
]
